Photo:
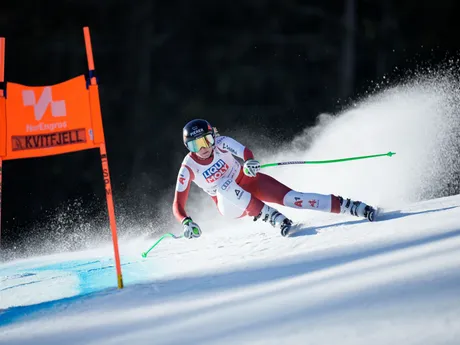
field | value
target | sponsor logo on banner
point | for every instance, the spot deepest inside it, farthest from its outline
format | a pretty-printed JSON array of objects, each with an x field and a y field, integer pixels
[
  {"x": 42, "y": 141},
  {"x": 58, "y": 109},
  {"x": 46, "y": 126},
  {"x": 313, "y": 203},
  {"x": 216, "y": 171}
]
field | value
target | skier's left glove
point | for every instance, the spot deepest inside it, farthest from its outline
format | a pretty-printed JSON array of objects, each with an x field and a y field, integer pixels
[
  {"x": 191, "y": 229},
  {"x": 251, "y": 167}
]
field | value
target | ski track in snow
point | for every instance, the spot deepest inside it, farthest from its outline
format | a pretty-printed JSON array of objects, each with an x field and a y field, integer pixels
[{"x": 351, "y": 281}]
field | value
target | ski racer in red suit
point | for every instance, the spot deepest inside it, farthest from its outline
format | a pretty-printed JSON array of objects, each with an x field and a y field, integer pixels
[{"x": 241, "y": 190}]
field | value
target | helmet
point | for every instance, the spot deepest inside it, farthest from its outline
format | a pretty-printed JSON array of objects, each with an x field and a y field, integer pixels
[{"x": 198, "y": 133}]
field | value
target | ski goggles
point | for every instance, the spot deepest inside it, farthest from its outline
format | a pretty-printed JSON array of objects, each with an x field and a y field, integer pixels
[{"x": 196, "y": 144}]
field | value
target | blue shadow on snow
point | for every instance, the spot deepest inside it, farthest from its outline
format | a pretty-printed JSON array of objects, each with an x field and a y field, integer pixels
[{"x": 313, "y": 230}]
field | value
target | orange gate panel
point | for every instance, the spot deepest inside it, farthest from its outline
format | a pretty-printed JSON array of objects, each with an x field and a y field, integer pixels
[{"x": 48, "y": 120}]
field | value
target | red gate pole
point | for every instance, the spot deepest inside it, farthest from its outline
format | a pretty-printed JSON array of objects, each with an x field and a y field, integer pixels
[
  {"x": 3, "y": 115},
  {"x": 98, "y": 131}
]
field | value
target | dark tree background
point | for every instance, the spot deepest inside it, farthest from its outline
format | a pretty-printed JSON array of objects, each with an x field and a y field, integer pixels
[{"x": 265, "y": 66}]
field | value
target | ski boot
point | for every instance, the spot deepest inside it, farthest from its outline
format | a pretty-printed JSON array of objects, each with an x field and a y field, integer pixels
[
  {"x": 357, "y": 208},
  {"x": 275, "y": 218},
  {"x": 286, "y": 226}
]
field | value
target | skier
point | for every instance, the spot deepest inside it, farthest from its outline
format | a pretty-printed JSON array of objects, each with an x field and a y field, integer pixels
[{"x": 241, "y": 190}]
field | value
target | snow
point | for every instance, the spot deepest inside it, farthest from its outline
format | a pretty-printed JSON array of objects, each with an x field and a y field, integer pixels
[{"x": 339, "y": 280}]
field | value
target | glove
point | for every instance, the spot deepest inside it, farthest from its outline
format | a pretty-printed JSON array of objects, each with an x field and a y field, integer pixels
[
  {"x": 191, "y": 229},
  {"x": 251, "y": 167}
]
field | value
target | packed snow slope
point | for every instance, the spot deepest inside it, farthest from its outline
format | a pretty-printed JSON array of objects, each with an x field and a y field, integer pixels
[{"x": 339, "y": 280}]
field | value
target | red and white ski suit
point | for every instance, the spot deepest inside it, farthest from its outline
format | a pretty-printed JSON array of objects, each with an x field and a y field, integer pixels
[{"x": 235, "y": 194}]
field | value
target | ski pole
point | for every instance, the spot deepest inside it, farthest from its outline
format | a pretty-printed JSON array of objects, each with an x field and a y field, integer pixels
[
  {"x": 144, "y": 254},
  {"x": 389, "y": 154}
]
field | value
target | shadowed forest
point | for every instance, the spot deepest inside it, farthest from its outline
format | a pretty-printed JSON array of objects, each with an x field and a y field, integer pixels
[{"x": 263, "y": 68}]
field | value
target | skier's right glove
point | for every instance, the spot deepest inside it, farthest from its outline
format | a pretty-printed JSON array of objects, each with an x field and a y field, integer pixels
[{"x": 191, "y": 229}]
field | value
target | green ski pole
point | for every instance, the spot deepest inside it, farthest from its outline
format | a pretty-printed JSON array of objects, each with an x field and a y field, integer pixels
[
  {"x": 144, "y": 254},
  {"x": 389, "y": 154}
]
